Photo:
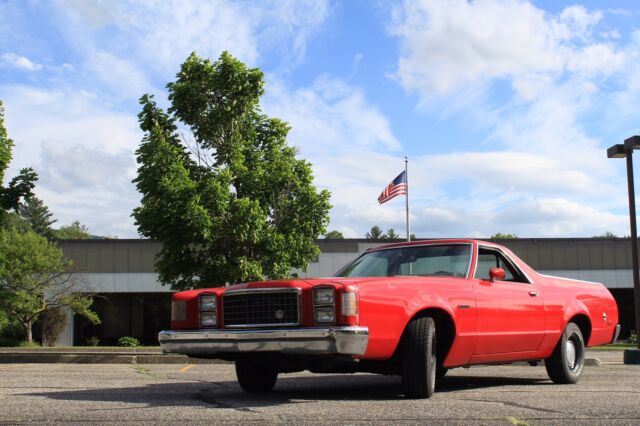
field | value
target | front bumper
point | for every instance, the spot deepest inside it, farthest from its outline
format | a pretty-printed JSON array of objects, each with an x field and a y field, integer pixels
[{"x": 318, "y": 341}]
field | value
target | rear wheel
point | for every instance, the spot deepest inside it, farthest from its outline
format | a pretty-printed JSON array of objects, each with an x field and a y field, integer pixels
[
  {"x": 254, "y": 376},
  {"x": 564, "y": 366},
  {"x": 419, "y": 360}
]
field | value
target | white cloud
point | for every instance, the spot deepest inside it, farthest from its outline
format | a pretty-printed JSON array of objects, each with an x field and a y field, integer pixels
[
  {"x": 544, "y": 172},
  {"x": 12, "y": 60},
  {"x": 579, "y": 21},
  {"x": 82, "y": 151},
  {"x": 448, "y": 44},
  {"x": 162, "y": 34},
  {"x": 558, "y": 216}
]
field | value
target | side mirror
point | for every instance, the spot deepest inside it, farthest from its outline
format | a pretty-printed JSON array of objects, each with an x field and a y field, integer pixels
[{"x": 496, "y": 274}]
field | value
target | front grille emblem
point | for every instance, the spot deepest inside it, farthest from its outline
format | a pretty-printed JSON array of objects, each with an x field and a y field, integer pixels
[{"x": 279, "y": 314}]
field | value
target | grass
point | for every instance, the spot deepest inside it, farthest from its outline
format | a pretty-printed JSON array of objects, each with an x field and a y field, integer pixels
[{"x": 614, "y": 346}]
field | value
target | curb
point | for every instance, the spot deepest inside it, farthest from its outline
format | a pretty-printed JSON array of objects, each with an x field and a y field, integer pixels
[
  {"x": 140, "y": 358},
  {"x": 593, "y": 362},
  {"x": 101, "y": 358}
]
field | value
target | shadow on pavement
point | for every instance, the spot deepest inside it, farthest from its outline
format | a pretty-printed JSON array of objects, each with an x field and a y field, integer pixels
[{"x": 288, "y": 390}]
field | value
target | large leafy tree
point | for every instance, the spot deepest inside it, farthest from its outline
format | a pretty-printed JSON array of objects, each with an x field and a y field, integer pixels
[
  {"x": 34, "y": 277},
  {"x": 37, "y": 215},
  {"x": 19, "y": 186},
  {"x": 220, "y": 186}
]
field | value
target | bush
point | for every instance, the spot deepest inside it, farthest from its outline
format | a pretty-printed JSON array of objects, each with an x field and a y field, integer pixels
[
  {"x": 53, "y": 321},
  {"x": 25, "y": 344},
  {"x": 11, "y": 334},
  {"x": 8, "y": 342},
  {"x": 127, "y": 341},
  {"x": 633, "y": 337},
  {"x": 92, "y": 341}
]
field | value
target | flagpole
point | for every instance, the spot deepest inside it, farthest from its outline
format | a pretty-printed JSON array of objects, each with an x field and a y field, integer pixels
[{"x": 406, "y": 196}]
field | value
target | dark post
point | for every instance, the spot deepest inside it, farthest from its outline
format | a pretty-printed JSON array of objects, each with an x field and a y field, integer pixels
[
  {"x": 634, "y": 239},
  {"x": 631, "y": 356}
]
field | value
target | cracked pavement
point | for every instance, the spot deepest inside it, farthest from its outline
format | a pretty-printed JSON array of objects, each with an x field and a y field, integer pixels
[{"x": 156, "y": 394}]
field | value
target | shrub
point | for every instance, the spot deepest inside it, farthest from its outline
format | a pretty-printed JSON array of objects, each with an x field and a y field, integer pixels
[
  {"x": 128, "y": 342},
  {"x": 54, "y": 321},
  {"x": 8, "y": 342},
  {"x": 26, "y": 344},
  {"x": 633, "y": 337},
  {"x": 92, "y": 341}
]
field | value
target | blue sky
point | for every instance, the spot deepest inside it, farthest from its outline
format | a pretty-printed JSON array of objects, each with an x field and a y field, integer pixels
[{"x": 505, "y": 108}]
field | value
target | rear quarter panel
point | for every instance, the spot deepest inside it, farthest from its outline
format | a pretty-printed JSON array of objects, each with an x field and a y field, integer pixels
[{"x": 565, "y": 298}]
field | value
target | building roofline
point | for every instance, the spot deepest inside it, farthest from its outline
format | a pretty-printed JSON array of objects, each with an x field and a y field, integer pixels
[{"x": 381, "y": 241}]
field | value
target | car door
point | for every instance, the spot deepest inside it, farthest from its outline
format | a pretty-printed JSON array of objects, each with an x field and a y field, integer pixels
[{"x": 510, "y": 312}]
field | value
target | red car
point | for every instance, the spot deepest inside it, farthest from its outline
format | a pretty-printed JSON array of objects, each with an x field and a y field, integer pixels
[{"x": 412, "y": 309}]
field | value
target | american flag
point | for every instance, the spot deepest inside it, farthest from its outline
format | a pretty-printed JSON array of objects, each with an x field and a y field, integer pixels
[{"x": 398, "y": 186}]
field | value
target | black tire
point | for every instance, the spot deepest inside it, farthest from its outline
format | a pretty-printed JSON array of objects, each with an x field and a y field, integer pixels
[
  {"x": 419, "y": 358},
  {"x": 254, "y": 376},
  {"x": 565, "y": 364}
]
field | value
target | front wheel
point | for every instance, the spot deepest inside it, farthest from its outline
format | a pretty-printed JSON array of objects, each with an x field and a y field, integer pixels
[
  {"x": 419, "y": 361},
  {"x": 254, "y": 376},
  {"x": 564, "y": 366}
]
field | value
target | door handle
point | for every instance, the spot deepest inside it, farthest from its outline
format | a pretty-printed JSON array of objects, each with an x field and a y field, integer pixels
[{"x": 533, "y": 293}]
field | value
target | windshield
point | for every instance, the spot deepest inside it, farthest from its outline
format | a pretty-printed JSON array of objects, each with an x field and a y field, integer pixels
[{"x": 450, "y": 260}]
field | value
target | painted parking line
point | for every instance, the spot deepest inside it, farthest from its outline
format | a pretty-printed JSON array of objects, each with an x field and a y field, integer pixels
[{"x": 187, "y": 368}]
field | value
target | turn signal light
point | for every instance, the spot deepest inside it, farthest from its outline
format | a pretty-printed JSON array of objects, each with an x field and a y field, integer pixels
[{"x": 350, "y": 307}]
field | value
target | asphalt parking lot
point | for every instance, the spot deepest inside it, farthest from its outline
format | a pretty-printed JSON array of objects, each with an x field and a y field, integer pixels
[{"x": 152, "y": 393}]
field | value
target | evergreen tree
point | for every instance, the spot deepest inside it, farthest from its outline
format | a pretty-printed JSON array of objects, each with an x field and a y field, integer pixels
[
  {"x": 376, "y": 233},
  {"x": 21, "y": 185},
  {"x": 37, "y": 215}
]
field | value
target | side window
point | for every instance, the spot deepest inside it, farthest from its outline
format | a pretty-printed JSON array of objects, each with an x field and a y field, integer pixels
[{"x": 488, "y": 259}]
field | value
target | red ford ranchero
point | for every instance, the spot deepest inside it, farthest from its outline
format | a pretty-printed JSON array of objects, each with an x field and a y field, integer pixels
[{"x": 413, "y": 309}]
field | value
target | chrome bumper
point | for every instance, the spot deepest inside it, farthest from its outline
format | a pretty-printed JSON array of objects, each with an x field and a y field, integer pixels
[
  {"x": 615, "y": 335},
  {"x": 319, "y": 341}
]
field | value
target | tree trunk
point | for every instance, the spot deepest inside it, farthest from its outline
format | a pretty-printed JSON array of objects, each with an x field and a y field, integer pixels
[{"x": 27, "y": 331}]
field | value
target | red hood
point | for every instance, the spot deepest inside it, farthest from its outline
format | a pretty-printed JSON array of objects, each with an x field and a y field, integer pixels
[{"x": 313, "y": 282}]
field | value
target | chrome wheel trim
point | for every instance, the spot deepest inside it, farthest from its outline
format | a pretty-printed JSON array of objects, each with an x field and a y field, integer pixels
[
  {"x": 432, "y": 370},
  {"x": 570, "y": 354}
]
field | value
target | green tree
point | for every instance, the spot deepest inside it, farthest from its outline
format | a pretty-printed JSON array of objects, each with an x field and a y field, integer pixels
[
  {"x": 501, "y": 236},
  {"x": 334, "y": 235},
  {"x": 37, "y": 215},
  {"x": 34, "y": 277},
  {"x": 607, "y": 234},
  {"x": 376, "y": 233},
  {"x": 75, "y": 231},
  {"x": 231, "y": 203},
  {"x": 391, "y": 234},
  {"x": 22, "y": 184}
]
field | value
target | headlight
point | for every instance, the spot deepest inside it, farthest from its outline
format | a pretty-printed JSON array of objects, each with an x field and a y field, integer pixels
[
  {"x": 208, "y": 302},
  {"x": 324, "y": 315},
  {"x": 323, "y": 296},
  {"x": 207, "y": 319}
]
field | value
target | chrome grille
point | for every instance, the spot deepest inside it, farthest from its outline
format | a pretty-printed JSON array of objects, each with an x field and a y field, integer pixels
[{"x": 261, "y": 307}]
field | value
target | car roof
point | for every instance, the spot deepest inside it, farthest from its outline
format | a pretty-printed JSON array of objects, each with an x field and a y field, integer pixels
[{"x": 437, "y": 241}]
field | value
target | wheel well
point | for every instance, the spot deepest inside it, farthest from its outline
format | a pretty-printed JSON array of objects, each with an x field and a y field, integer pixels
[
  {"x": 445, "y": 329},
  {"x": 584, "y": 323}
]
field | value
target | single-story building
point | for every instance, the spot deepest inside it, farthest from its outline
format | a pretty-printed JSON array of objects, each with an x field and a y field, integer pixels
[{"x": 132, "y": 302}]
